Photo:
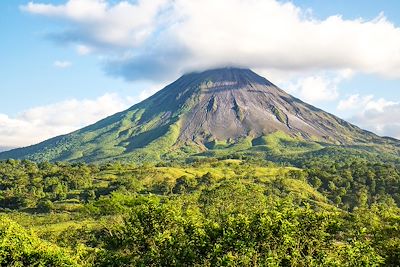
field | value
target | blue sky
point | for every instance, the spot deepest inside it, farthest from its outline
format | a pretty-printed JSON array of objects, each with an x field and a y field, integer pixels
[
  {"x": 58, "y": 55},
  {"x": 366, "y": 9},
  {"x": 29, "y": 77}
]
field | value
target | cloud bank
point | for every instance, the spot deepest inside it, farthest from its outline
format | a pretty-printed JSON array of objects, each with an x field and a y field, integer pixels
[
  {"x": 40, "y": 123},
  {"x": 159, "y": 38},
  {"x": 378, "y": 115}
]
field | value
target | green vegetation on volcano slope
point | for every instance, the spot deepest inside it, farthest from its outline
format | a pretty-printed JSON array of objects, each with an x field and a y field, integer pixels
[
  {"x": 96, "y": 144},
  {"x": 209, "y": 212}
]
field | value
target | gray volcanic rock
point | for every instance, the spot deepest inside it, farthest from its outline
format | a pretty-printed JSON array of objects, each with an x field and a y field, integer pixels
[
  {"x": 232, "y": 103},
  {"x": 228, "y": 104}
]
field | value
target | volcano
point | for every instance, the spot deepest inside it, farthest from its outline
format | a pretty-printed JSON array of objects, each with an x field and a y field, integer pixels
[{"x": 202, "y": 111}]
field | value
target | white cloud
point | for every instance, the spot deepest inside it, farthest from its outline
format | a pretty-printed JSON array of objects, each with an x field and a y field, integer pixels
[
  {"x": 83, "y": 49},
  {"x": 123, "y": 24},
  {"x": 378, "y": 115},
  {"x": 314, "y": 89},
  {"x": 180, "y": 35},
  {"x": 363, "y": 103},
  {"x": 385, "y": 122},
  {"x": 317, "y": 88},
  {"x": 62, "y": 64},
  {"x": 40, "y": 123}
]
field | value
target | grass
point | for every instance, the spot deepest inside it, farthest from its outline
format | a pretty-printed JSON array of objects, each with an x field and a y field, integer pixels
[{"x": 304, "y": 190}]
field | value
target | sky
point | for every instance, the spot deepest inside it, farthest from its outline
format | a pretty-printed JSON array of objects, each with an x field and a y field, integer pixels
[{"x": 65, "y": 64}]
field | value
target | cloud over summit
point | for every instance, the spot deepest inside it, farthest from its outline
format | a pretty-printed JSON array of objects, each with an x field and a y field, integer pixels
[{"x": 176, "y": 36}]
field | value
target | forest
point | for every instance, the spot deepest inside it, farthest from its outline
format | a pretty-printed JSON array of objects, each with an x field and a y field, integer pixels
[{"x": 326, "y": 211}]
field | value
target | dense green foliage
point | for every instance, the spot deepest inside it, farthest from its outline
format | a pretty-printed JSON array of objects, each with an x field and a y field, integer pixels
[
  {"x": 20, "y": 248},
  {"x": 357, "y": 183},
  {"x": 204, "y": 213}
]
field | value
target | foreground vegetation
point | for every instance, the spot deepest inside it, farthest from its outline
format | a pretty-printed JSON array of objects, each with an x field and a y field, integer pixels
[{"x": 328, "y": 211}]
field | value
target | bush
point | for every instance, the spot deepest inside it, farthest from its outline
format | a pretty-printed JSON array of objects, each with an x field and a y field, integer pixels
[{"x": 20, "y": 248}]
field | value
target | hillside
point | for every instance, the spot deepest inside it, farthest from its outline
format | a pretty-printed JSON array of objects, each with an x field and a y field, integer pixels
[{"x": 215, "y": 112}]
